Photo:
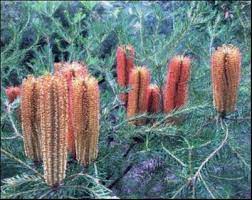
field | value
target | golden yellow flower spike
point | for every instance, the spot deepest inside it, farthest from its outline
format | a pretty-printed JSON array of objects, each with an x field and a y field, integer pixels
[
  {"x": 225, "y": 72},
  {"x": 30, "y": 118},
  {"x": 54, "y": 126},
  {"x": 86, "y": 118}
]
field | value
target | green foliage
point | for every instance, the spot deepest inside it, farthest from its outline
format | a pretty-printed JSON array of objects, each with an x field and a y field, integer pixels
[{"x": 202, "y": 157}]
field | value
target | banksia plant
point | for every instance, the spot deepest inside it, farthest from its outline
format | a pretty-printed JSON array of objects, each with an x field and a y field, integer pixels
[
  {"x": 175, "y": 91},
  {"x": 12, "y": 93},
  {"x": 86, "y": 118},
  {"x": 225, "y": 72},
  {"x": 124, "y": 64},
  {"x": 137, "y": 98},
  {"x": 70, "y": 71},
  {"x": 54, "y": 125},
  {"x": 154, "y": 99},
  {"x": 30, "y": 118}
]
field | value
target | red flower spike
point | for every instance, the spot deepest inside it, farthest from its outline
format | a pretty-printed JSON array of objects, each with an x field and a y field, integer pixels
[
  {"x": 12, "y": 93},
  {"x": 144, "y": 81},
  {"x": 176, "y": 88},
  {"x": 124, "y": 64},
  {"x": 154, "y": 98}
]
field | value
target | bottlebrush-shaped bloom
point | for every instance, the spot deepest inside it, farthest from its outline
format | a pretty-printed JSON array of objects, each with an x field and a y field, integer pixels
[
  {"x": 86, "y": 118},
  {"x": 137, "y": 98},
  {"x": 70, "y": 71},
  {"x": 175, "y": 91},
  {"x": 154, "y": 98},
  {"x": 124, "y": 64},
  {"x": 225, "y": 72},
  {"x": 54, "y": 117},
  {"x": 12, "y": 93},
  {"x": 30, "y": 118}
]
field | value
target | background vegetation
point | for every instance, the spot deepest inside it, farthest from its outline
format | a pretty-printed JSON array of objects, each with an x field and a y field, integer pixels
[{"x": 200, "y": 158}]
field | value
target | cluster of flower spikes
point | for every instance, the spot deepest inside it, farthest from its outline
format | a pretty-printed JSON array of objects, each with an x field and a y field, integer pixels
[
  {"x": 52, "y": 106},
  {"x": 143, "y": 97}
]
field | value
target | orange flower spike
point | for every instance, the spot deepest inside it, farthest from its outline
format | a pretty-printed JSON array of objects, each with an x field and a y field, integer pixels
[
  {"x": 12, "y": 93},
  {"x": 121, "y": 63},
  {"x": 132, "y": 107},
  {"x": 169, "y": 91},
  {"x": 154, "y": 98},
  {"x": 86, "y": 118},
  {"x": 80, "y": 113},
  {"x": 225, "y": 72},
  {"x": 130, "y": 57},
  {"x": 137, "y": 97},
  {"x": 144, "y": 81},
  {"x": 70, "y": 134},
  {"x": 70, "y": 71},
  {"x": 30, "y": 118},
  {"x": 93, "y": 115},
  {"x": 182, "y": 87},
  {"x": 54, "y": 117}
]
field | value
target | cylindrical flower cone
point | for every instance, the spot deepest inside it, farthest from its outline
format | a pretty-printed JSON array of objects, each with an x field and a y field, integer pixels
[
  {"x": 137, "y": 98},
  {"x": 71, "y": 71},
  {"x": 154, "y": 99},
  {"x": 225, "y": 73},
  {"x": 30, "y": 118},
  {"x": 86, "y": 118},
  {"x": 54, "y": 126},
  {"x": 124, "y": 64},
  {"x": 175, "y": 91}
]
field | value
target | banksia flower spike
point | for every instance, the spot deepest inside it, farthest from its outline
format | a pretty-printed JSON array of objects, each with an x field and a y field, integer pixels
[
  {"x": 154, "y": 99},
  {"x": 86, "y": 118},
  {"x": 137, "y": 98},
  {"x": 175, "y": 91},
  {"x": 124, "y": 64},
  {"x": 225, "y": 72},
  {"x": 12, "y": 93},
  {"x": 30, "y": 118},
  {"x": 54, "y": 117},
  {"x": 71, "y": 71}
]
